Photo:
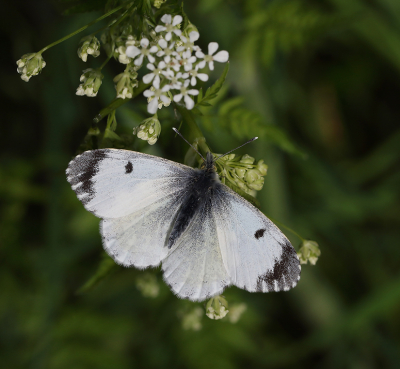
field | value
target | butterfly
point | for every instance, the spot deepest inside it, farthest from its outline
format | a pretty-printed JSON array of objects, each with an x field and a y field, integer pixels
[{"x": 206, "y": 237}]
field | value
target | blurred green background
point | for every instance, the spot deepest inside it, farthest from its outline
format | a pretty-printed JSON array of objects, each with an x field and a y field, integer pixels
[{"x": 326, "y": 73}]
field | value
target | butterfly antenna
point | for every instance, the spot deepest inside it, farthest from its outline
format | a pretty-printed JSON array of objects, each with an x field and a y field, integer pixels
[
  {"x": 180, "y": 134},
  {"x": 253, "y": 139}
]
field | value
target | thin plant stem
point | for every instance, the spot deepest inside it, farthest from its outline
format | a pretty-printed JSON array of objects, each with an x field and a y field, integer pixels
[
  {"x": 287, "y": 228},
  {"x": 82, "y": 28}
]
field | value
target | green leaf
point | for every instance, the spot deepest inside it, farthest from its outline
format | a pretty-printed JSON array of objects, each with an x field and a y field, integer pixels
[
  {"x": 212, "y": 91},
  {"x": 105, "y": 268}
]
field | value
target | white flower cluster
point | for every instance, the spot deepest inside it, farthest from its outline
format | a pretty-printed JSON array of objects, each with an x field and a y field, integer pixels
[{"x": 171, "y": 63}]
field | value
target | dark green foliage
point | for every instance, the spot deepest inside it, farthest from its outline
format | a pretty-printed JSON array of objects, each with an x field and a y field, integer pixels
[{"x": 329, "y": 89}]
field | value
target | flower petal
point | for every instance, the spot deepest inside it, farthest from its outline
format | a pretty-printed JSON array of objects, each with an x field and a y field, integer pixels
[
  {"x": 150, "y": 66},
  {"x": 156, "y": 81},
  {"x": 160, "y": 29},
  {"x": 211, "y": 65},
  {"x": 178, "y": 32},
  {"x": 200, "y": 54},
  {"x": 168, "y": 36},
  {"x": 212, "y": 48},
  {"x": 165, "y": 99},
  {"x": 194, "y": 36},
  {"x": 153, "y": 49},
  {"x": 151, "y": 58},
  {"x": 148, "y": 93},
  {"x": 202, "y": 76},
  {"x": 132, "y": 51},
  {"x": 193, "y": 92},
  {"x": 148, "y": 78},
  {"x": 202, "y": 64},
  {"x": 165, "y": 88},
  {"x": 152, "y": 106},
  {"x": 178, "y": 97},
  {"x": 161, "y": 65},
  {"x": 144, "y": 42},
  {"x": 221, "y": 56},
  {"x": 193, "y": 81},
  {"x": 166, "y": 18},
  {"x": 189, "y": 102},
  {"x": 139, "y": 60},
  {"x": 177, "y": 19},
  {"x": 162, "y": 42}
]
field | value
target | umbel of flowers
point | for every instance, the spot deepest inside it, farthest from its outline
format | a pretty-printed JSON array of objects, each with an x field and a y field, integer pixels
[{"x": 174, "y": 62}]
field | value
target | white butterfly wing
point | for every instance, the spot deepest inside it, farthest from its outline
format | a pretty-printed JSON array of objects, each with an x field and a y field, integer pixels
[
  {"x": 115, "y": 183},
  {"x": 256, "y": 254},
  {"x": 194, "y": 267},
  {"x": 229, "y": 241}
]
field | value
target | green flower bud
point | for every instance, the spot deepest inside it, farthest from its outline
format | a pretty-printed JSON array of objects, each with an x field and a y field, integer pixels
[
  {"x": 247, "y": 159},
  {"x": 190, "y": 28},
  {"x": 149, "y": 130},
  {"x": 89, "y": 45},
  {"x": 240, "y": 172},
  {"x": 252, "y": 175},
  {"x": 30, "y": 65},
  {"x": 192, "y": 320},
  {"x": 91, "y": 81},
  {"x": 157, "y": 3},
  {"x": 257, "y": 185},
  {"x": 147, "y": 284},
  {"x": 125, "y": 83},
  {"x": 217, "y": 307},
  {"x": 236, "y": 311},
  {"x": 262, "y": 167},
  {"x": 309, "y": 251}
]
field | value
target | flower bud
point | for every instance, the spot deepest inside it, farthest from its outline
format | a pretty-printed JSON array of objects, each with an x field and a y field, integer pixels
[
  {"x": 89, "y": 45},
  {"x": 192, "y": 320},
  {"x": 217, "y": 307},
  {"x": 236, "y": 311},
  {"x": 252, "y": 175},
  {"x": 148, "y": 285},
  {"x": 91, "y": 81},
  {"x": 262, "y": 167},
  {"x": 190, "y": 28},
  {"x": 240, "y": 172},
  {"x": 309, "y": 251},
  {"x": 149, "y": 130},
  {"x": 125, "y": 83},
  {"x": 157, "y": 3},
  {"x": 30, "y": 65},
  {"x": 247, "y": 159}
]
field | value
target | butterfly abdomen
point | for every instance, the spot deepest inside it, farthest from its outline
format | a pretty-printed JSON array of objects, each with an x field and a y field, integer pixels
[{"x": 199, "y": 192}]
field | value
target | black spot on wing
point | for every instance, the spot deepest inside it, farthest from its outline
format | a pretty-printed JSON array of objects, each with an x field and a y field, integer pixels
[
  {"x": 128, "y": 167},
  {"x": 81, "y": 171},
  {"x": 259, "y": 233},
  {"x": 285, "y": 274}
]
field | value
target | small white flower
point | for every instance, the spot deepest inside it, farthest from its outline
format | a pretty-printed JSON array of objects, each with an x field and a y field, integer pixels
[
  {"x": 184, "y": 92},
  {"x": 170, "y": 27},
  {"x": 186, "y": 60},
  {"x": 193, "y": 73},
  {"x": 217, "y": 308},
  {"x": 221, "y": 56},
  {"x": 133, "y": 52},
  {"x": 91, "y": 81},
  {"x": 176, "y": 81},
  {"x": 167, "y": 50},
  {"x": 188, "y": 44},
  {"x": 155, "y": 96},
  {"x": 172, "y": 63},
  {"x": 30, "y": 65},
  {"x": 155, "y": 74},
  {"x": 89, "y": 45}
]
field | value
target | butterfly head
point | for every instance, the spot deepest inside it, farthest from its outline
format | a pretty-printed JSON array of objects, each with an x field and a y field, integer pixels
[{"x": 209, "y": 164}]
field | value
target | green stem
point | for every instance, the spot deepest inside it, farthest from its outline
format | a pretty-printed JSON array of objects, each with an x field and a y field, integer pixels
[
  {"x": 81, "y": 29},
  {"x": 105, "y": 61},
  {"x": 194, "y": 129},
  {"x": 287, "y": 228},
  {"x": 116, "y": 103}
]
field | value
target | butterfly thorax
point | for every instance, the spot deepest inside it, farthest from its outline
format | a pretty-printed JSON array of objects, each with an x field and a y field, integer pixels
[{"x": 197, "y": 196}]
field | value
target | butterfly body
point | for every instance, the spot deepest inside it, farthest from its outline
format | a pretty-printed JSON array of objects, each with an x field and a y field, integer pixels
[{"x": 205, "y": 235}]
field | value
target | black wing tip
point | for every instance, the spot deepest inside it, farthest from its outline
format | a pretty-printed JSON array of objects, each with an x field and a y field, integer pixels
[{"x": 286, "y": 272}]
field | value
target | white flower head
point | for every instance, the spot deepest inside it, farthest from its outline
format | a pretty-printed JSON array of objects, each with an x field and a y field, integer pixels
[
  {"x": 176, "y": 81},
  {"x": 91, "y": 81},
  {"x": 30, "y": 65},
  {"x": 186, "y": 60},
  {"x": 89, "y": 45},
  {"x": 188, "y": 44},
  {"x": 166, "y": 50},
  {"x": 171, "y": 25},
  {"x": 193, "y": 73},
  {"x": 139, "y": 54},
  {"x": 155, "y": 95},
  {"x": 221, "y": 56},
  {"x": 155, "y": 72},
  {"x": 184, "y": 92}
]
